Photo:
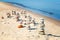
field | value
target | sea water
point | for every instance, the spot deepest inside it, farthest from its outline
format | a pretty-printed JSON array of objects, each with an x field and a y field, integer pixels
[{"x": 43, "y": 7}]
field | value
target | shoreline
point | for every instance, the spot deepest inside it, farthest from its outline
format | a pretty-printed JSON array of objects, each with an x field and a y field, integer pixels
[
  {"x": 18, "y": 8},
  {"x": 34, "y": 11},
  {"x": 12, "y": 28}
]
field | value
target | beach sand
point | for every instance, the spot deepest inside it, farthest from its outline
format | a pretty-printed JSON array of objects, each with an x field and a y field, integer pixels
[{"x": 10, "y": 30}]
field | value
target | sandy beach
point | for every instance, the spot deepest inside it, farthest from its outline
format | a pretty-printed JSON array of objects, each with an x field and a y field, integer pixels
[{"x": 11, "y": 17}]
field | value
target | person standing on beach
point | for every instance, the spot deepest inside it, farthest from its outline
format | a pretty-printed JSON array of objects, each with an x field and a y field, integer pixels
[
  {"x": 25, "y": 14},
  {"x": 33, "y": 21},
  {"x": 13, "y": 12},
  {"x": 30, "y": 18},
  {"x": 18, "y": 14},
  {"x": 8, "y": 15},
  {"x": 42, "y": 25},
  {"x": 17, "y": 17}
]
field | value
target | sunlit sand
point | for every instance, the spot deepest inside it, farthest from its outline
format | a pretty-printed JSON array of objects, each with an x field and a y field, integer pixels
[{"x": 21, "y": 24}]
